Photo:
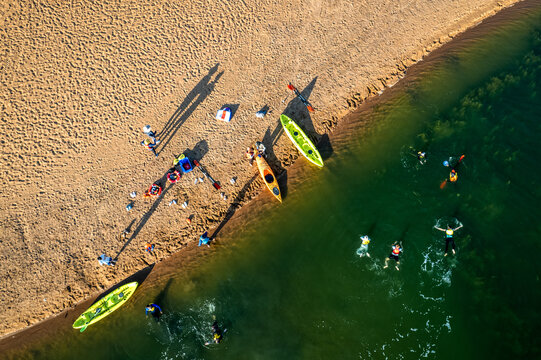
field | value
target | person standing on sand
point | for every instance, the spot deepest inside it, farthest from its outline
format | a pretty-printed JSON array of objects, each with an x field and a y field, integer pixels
[
  {"x": 449, "y": 232},
  {"x": 151, "y": 134},
  {"x": 204, "y": 239},
  {"x": 106, "y": 260},
  {"x": 250, "y": 155},
  {"x": 149, "y": 247},
  {"x": 150, "y": 146},
  {"x": 394, "y": 255},
  {"x": 260, "y": 149}
]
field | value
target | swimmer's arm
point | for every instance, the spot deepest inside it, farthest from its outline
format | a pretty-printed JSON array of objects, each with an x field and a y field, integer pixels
[
  {"x": 461, "y": 225},
  {"x": 437, "y": 228}
]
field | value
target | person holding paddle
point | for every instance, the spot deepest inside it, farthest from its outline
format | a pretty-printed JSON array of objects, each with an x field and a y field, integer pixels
[{"x": 453, "y": 175}]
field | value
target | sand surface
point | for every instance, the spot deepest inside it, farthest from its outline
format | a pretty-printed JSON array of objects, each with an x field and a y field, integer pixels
[{"x": 80, "y": 79}]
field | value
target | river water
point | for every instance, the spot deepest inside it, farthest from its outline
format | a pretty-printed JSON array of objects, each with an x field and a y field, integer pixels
[{"x": 288, "y": 284}]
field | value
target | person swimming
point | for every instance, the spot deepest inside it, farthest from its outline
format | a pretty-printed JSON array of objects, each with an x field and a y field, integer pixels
[
  {"x": 453, "y": 175},
  {"x": 363, "y": 250},
  {"x": 217, "y": 333},
  {"x": 421, "y": 156},
  {"x": 449, "y": 232},
  {"x": 394, "y": 255},
  {"x": 154, "y": 310}
]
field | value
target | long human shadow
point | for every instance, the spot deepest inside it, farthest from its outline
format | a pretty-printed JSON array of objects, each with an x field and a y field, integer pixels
[
  {"x": 161, "y": 296},
  {"x": 198, "y": 151},
  {"x": 371, "y": 228},
  {"x": 402, "y": 238},
  {"x": 324, "y": 146},
  {"x": 142, "y": 222},
  {"x": 234, "y": 205},
  {"x": 187, "y": 107},
  {"x": 297, "y": 111}
]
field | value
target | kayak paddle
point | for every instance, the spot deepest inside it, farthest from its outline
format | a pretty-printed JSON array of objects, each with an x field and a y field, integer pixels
[
  {"x": 200, "y": 167},
  {"x": 302, "y": 98}
]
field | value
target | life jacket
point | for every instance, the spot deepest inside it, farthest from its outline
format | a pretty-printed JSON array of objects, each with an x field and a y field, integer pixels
[
  {"x": 173, "y": 176},
  {"x": 453, "y": 176},
  {"x": 155, "y": 190},
  {"x": 365, "y": 240},
  {"x": 449, "y": 233},
  {"x": 147, "y": 144},
  {"x": 396, "y": 250}
]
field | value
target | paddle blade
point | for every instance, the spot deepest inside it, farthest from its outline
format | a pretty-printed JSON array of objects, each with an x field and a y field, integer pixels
[
  {"x": 311, "y": 109},
  {"x": 291, "y": 87},
  {"x": 216, "y": 186},
  {"x": 442, "y": 185},
  {"x": 195, "y": 162},
  {"x": 461, "y": 158},
  {"x": 83, "y": 329}
]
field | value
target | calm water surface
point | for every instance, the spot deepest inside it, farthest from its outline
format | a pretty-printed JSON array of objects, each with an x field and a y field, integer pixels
[{"x": 289, "y": 284}]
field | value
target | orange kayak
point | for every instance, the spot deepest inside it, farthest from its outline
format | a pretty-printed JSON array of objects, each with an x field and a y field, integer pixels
[{"x": 268, "y": 176}]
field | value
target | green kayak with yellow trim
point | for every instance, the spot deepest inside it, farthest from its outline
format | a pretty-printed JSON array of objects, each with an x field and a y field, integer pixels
[
  {"x": 105, "y": 306},
  {"x": 301, "y": 141}
]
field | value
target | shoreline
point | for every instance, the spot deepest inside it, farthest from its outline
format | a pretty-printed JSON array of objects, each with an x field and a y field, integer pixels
[{"x": 333, "y": 115}]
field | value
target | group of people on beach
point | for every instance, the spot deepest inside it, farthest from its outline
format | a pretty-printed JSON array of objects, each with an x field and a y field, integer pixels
[
  {"x": 396, "y": 248},
  {"x": 155, "y": 190}
]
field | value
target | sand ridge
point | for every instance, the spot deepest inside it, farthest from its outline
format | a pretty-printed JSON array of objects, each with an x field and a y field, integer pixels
[{"x": 80, "y": 79}]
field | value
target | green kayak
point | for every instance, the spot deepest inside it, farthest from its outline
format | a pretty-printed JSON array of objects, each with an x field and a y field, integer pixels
[
  {"x": 301, "y": 141},
  {"x": 105, "y": 306}
]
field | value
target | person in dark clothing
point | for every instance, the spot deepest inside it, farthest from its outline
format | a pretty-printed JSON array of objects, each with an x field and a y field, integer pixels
[
  {"x": 449, "y": 232},
  {"x": 154, "y": 310}
]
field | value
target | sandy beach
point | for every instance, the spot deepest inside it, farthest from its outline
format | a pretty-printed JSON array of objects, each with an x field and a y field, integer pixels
[{"x": 81, "y": 79}]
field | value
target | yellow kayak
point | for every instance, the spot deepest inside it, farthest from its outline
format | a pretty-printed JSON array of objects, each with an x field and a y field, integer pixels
[
  {"x": 105, "y": 306},
  {"x": 268, "y": 176},
  {"x": 301, "y": 141}
]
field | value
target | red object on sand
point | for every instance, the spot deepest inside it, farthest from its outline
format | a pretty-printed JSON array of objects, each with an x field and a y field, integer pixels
[
  {"x": 154, "y": 190},
  {"x": 173, "y": 176},
  {"x": 204, "y": 171}
]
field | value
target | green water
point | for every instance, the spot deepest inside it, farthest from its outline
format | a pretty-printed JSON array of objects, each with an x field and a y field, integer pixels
[{"x": 288, "y": 284}]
